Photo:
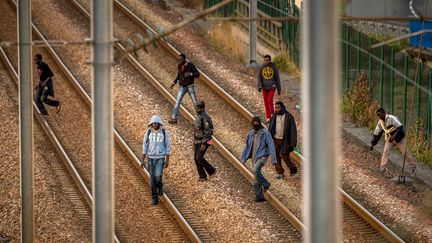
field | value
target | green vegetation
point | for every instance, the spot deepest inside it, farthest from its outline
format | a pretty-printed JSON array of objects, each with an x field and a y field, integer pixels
[
  {"x": 358, "y": 105},
  {"x": 285, "y": 64},
  {"x": 418, "y": 143},
  {"x": 221, "y": 37},
  {"x": 397, "y": 46}
]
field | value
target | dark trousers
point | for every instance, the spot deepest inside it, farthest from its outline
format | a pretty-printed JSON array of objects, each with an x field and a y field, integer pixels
[
  {"x": 202, "y": 164},
  {"x": 285, "y": 157},
  {"x": 41, "y": 96}
]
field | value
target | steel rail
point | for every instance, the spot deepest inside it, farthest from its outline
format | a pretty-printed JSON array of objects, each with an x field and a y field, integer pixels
[
  {"x": 55, "y": 142},
  {"x": 349, "y": 201},
  {"x": 120, "y": 142}
]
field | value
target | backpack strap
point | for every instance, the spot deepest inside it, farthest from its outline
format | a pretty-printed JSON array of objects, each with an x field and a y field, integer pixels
[{"x": 163, "y": 133}]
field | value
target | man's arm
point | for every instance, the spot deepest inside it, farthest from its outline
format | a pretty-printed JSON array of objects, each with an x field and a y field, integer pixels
[
  {"x": 271, "y": 147},
  {"x": 167, "y": 148},
  {"x": 377, "y": 136},
  {"x": 277, "y": 79},
  {"x": 194, "y": 71},
  {"x": 259, "y": 80}
]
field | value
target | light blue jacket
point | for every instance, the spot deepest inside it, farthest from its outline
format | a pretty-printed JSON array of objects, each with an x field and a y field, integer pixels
[
  {"x": 155, "y": 146},
  {"x": 265, "y": 146}
]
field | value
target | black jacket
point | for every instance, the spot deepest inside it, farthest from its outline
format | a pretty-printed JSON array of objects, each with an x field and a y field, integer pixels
[
  {"x": 203, "y": 128},
  {"x": 400, "y": 134},
  {"x": 188, "y": 67},
  {"x": 289, "y": 140}
]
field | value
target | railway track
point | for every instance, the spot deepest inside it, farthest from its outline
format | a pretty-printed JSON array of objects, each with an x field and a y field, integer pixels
[
  {"x": 62, "y": 172},
  {"x": 69, "y": 178},
  {"x": 353, "y": 213},
  {"x": 286, "y": 230},
  {"x": 135, "y": 178}
]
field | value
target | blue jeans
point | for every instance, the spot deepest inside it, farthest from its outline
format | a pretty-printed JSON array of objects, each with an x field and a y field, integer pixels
[
  {"x": 260, "y": 181},
  {"x": 190, "y": 89},
  {"x": 155, "y": 169}
]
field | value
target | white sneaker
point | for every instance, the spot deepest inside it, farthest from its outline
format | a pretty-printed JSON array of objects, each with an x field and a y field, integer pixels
[
  {"x": 382, "y": 170},
  {"x": 414, "y": 171}
]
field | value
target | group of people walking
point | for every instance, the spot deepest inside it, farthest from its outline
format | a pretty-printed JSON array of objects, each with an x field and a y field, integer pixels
[{"x": 276, "y": 142}]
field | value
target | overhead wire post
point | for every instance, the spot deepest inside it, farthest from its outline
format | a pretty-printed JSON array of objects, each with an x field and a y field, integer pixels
[
  {"x": 26, "y": 120},
  {"x": 102, "y": 122},
  {"x": 321, "y": 119}
]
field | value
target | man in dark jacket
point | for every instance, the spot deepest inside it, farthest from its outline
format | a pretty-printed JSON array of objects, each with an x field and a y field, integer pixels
[
  {"x": 259, "y": 146},
  {"x": 394, "y": 135},
  {"x": 268, "y": 83},
  {"x": 202, "y": 140},
  {"x": 284, "y": 133},
  {"x": 45, "y": 87},
  {"x": 186, "y": 73}
]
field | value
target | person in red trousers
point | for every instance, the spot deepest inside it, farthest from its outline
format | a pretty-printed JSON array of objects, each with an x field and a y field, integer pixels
[{"x": 268, "y": 83}]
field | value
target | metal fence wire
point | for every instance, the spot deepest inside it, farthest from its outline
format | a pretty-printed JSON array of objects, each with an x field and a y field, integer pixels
[{"x": 391, "y": 72}]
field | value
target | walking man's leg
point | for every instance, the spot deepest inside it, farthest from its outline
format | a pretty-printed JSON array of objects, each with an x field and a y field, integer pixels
[
  {"x": 200, "y": 168},
  {"x": 266, "y": 107},
  {"x": 270, "y": 101},
  {"x": 151, "y": 170},
  {"x": 278, "y": 166},
  {"x": 192, "y": 93},
  {"x": 180, "y": 94},
  {"x": 205, "y": 164},
  {"x": 260, "y": 181},
  {"x": 292, "y": 167},
  {"x": 402, "y": 145},
  {"x": 158, "y": 175},
  {"x": 38, "y": 100},
  {"x": 386, "y": 153}
]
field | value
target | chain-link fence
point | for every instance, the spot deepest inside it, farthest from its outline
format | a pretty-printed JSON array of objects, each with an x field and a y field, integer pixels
[{"x": 392, "y": 74}]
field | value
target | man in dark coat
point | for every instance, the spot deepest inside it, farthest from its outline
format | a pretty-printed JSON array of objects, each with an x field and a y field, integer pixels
[
  {"x": 283, "y": 129},
  {"x": 203, "y": 131}
]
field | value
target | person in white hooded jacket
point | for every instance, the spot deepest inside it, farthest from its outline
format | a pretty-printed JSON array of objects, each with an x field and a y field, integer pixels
[{"x": 157, "y": 148}]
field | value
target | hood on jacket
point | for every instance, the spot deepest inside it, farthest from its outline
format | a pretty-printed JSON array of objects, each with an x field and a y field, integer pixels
[{"x": 155, "y": 119}]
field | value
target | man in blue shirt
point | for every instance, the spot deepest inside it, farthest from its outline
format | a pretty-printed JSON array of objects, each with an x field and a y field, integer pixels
[
  {"x": 259, "y": 146},
  {"x": 156, "y": 146}
]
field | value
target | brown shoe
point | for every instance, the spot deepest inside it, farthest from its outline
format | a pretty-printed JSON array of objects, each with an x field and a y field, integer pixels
[
  {"x": 172, "y": 121},
  {"x": 58, "y": 108}
]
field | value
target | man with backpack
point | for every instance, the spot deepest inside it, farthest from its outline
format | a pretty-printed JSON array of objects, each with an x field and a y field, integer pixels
[{"x": 156, "y": 146}]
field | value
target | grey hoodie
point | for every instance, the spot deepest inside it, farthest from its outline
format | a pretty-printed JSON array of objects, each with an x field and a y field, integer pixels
[
  {"x": 155, "y": 146},
  {"x": 268, "y": 77}
]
